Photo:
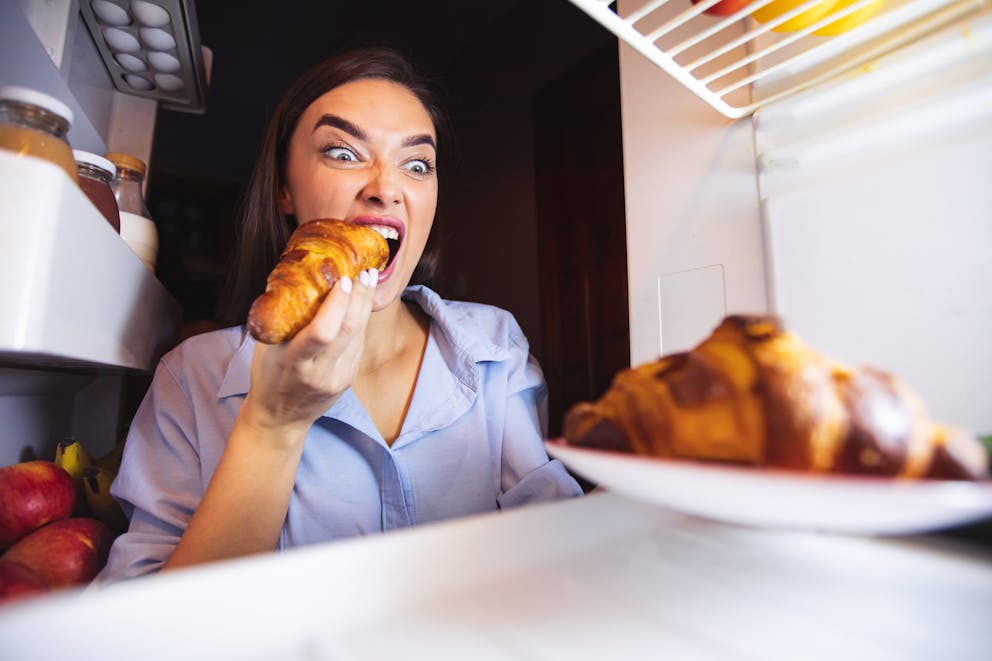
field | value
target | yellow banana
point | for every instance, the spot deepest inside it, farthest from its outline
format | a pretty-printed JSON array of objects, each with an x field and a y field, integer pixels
[
  {"x": 96, "y": 484},
  {"x": 778, "y": 7},
  {"x": 112, "y": 460},
  {"x": 853, "y": 19},
  {"x": 74, "y": 458}
]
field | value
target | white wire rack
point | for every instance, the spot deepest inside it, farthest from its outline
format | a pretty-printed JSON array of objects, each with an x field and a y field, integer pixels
[{"x": 737, "y": 64}]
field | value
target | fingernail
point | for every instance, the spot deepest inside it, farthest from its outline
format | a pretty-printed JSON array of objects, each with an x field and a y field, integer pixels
[
  {"x": 373, "y": 277},
  {"x": 345, "y": 284}
]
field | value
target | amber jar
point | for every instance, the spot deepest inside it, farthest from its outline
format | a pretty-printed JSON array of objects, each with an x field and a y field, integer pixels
[
  {"x": 95, "y": 174},
  {"x": 35, "y": 124}
]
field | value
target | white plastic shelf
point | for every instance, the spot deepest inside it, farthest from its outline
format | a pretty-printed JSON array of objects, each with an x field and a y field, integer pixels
[
  {"x": 738, "y": 65},
  {"x": 73, "y": 294},
  {"x": 585, "y": 579}
]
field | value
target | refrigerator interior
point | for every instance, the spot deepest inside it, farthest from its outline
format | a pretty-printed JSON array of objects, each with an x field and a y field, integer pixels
[{"x": 857, "y": 210}]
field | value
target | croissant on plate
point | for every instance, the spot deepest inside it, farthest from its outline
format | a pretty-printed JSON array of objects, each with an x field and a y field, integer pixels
[
  {"x": 318, "y": 253},
  {"x": 753, "y": 393}
]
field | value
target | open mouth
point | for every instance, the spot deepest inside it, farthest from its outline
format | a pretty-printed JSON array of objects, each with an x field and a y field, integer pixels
[{"x": 392, "y": 236}]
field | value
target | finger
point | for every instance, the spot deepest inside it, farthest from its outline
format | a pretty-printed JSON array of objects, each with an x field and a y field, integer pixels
[
  {"x": 360, "y": 306},
  {"x": 368, "y": 293},
  {"x": 326, "y": 324}
]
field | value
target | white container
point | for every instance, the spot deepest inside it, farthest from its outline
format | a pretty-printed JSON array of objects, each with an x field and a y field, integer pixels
[
  {"x": 72, "y": 292},
  {"x": 141, "y": 236}
]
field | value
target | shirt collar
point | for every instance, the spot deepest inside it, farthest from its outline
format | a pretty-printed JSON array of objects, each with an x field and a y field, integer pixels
[{"x": 460, "y": 328}]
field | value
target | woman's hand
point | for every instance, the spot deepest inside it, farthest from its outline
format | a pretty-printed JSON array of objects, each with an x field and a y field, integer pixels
[{"x": 294, "y": 383}]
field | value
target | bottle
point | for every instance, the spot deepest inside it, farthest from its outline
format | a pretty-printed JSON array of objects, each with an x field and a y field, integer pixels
[
  {"x": 35, "y": 124},
  {"x": 137, "y": 227},
  {"x": 95, "y": 174}
]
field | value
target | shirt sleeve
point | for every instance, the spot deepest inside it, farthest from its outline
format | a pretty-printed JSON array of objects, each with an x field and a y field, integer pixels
[
  {"x": 159, "y": 483},
  {"x": 528, "y": 474}
]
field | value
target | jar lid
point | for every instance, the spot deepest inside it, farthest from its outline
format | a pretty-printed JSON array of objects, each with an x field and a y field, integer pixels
[
  {"x": 122, "y": 160},
  {"x": 36, "y": 98},
  {"x": 94, "y": 160}
]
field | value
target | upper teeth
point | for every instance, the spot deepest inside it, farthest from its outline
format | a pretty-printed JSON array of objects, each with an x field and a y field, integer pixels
[{"x": 386, "y": 231}]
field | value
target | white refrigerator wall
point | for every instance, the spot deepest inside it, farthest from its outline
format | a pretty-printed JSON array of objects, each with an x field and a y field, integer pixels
[
  {"x": 694, "y": 243},
  {"x": 861, "y": 213},
  {"x": 877, "y": 204}
]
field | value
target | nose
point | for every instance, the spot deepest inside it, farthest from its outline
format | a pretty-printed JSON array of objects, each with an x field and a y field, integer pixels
[{"x": 383, "y": 187}]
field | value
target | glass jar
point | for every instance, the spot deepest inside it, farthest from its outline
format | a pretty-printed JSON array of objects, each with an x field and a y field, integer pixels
[
  {"x": 95, "y": 174},
  {"x": 35, "y": 124},
  {"x": 137, "y": 227}
]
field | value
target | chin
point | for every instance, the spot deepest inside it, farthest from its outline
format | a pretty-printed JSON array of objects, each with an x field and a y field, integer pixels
[{"x": 385, "y": 295}]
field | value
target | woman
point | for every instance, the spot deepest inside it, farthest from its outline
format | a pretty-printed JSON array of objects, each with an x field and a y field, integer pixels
[{"x": 393, "y": 407}]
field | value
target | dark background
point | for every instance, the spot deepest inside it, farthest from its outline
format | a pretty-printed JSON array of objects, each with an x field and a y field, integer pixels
[{"x": 531, "y": 191}]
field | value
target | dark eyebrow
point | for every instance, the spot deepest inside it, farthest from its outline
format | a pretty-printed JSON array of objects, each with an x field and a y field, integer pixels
[
  {"x": 422, "y": 139},
  {"x": 353, "y": 129},
  {"x": 341, "y": 123}
]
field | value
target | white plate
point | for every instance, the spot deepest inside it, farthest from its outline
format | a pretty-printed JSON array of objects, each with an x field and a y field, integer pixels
[{"x": 780, "y": 498}]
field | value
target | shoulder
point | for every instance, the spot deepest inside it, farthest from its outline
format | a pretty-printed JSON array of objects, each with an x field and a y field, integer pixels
[
  {"x": 206, "y": 346},
  {"x": 484, "y": 331},
  {"x": 205, "y": 356}
]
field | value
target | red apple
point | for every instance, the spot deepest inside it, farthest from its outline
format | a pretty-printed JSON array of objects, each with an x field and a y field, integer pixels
[
  {"x": 33, "y": 493},
  {"x": 725, "y": 8},
  {"x": 18, "y": 581},
  {"x": 66, "y": 552}
]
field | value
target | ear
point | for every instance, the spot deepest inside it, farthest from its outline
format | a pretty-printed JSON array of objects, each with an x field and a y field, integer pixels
[{"x": 286, "y": 202}]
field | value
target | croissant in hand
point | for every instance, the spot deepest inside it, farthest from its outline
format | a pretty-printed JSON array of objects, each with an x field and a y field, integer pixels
[
  {"x": 753, "y": 393},
  {"x": 318, "y": 253}
]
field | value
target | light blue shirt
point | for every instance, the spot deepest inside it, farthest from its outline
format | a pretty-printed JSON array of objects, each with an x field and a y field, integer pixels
[{"x": 472, "y": 440}]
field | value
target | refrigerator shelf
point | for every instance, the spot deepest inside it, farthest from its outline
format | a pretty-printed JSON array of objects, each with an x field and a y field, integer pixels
[
  {"x": 73, "y": 294},
  {"x": 737, "y": 64}
]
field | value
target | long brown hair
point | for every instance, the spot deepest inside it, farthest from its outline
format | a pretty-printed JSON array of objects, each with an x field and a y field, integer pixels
[{"x": 263, "y": 229}]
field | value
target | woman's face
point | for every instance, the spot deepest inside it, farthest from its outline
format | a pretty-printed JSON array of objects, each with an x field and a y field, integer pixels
[{"x": 365, "y": 152}]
